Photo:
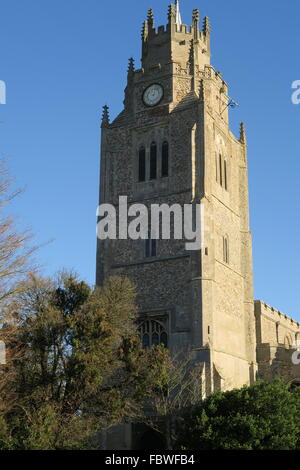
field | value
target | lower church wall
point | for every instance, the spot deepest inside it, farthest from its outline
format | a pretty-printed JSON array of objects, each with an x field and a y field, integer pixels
[{"x": 235, "y": 372}]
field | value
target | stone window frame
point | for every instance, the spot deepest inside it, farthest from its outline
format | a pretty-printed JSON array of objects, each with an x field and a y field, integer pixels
[
  {"x": 217, "y": 167},
  {"x": 150, "y": 248},
  {"x": 226, "y": 251},
  {"x": 225, "y": 162},
  {"x": 155, "y": 326},
  {"x": 142, "y": 174},
  {"x": 222, "y": 170},
  {"x": 288, "y": 342},
  {"x": 162, "y": 166},
  {"x": 159, "y": 140}
]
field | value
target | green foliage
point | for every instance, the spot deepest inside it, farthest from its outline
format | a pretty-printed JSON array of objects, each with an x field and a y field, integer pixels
[
  {"x": 264, "y": 416},
  {"x": 79, "y": 368}
]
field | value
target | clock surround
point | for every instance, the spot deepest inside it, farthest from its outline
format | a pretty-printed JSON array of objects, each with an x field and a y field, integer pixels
[{"x": 156, "y": 99}]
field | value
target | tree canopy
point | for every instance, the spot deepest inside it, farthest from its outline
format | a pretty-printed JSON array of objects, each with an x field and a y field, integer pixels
[
  {"x": 265, "y": 416},
  {"x": 75, "y": 364}
]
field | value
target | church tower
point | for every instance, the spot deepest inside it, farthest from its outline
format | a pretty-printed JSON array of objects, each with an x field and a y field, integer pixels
[{"x": 172, "y": 144}]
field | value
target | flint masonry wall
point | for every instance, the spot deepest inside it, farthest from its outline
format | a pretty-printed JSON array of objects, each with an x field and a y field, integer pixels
[{"x": 206, "y": 300}]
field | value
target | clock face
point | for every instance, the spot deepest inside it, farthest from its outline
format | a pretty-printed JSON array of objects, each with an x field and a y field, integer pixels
[{"x": 153, "y": 95}]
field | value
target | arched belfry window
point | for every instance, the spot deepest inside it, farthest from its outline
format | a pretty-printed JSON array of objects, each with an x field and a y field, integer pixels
[
  {"x": 165, "y": 159},
  {"x": 142, "y": 164},
  {"x": 150, "y": 247},
  {"x": 153, "y": 161},
  {"x": 153, "y": 333}
]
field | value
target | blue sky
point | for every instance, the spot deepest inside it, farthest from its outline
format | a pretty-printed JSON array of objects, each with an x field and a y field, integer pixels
[{"x": 62, "y": 61}]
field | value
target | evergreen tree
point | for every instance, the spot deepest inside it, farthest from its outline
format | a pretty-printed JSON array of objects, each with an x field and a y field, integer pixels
[
  {"x": 264, "y": 416},
  {"x": 77, "y": 364}
]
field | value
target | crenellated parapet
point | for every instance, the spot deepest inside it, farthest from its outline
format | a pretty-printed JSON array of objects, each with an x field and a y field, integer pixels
[
  {"x": 192, "y": 30},
  {"x": 275, "y": 327},
  {"x": 172, "y": 42},
  {"x": 277, "y": 316},
  {"x": 176, "y": 56}
]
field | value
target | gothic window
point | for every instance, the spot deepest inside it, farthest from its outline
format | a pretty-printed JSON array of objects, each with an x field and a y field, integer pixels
[
  {"x": 142, "y": 164},
  {"x": 165, "y": 160},
  {"x": 220, "y": 170},
  {"x": 153, "y": 247},
  {"x": 226, "y": 249},
  {"x": 287, "y": 342},
  {"x": 153, "y": 333},
  {"x": 147, "y": 248},
  {"x": 225, "y": 175},
  {"x": 153, "y": 161},
  {"x": 150, "y": 247}
]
